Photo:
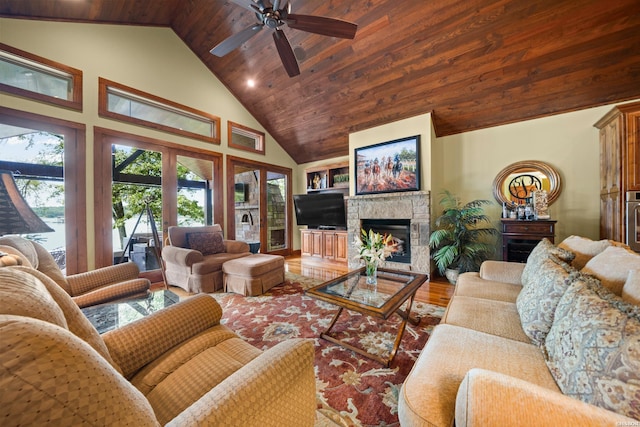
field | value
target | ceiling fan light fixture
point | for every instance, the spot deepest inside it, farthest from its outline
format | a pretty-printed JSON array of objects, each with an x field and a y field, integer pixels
[{"x": 274, "y": 17}]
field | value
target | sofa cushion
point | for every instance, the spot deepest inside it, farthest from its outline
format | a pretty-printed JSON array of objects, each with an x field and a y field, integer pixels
[
  {"x": 593, "y": 348},
  {"x": 583, "y": 248},
  {"x": 24, "y": 295},
  {"x": 428, "y": 395},
  {"x": 612, "y": 267},
  {"x": 206, "y": 243},
  {"x": 631, "y": 288},
  {"x": 493, "y": 317},
  {"x": 542, "y": 251},
  {"x": 537, "y": 302},
  {"x": 470, "y": 284},
  {"x": 23, "y": 245}
]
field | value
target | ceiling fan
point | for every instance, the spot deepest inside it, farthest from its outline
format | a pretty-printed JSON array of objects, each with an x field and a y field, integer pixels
[{"x": 274, "y": 17}]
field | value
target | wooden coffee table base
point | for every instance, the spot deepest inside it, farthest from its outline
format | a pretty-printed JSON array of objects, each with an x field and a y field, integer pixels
[{"x": 405, "y": 314}]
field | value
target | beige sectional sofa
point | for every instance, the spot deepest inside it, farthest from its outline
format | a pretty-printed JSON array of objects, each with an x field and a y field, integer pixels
[{"x": 555, "y": 341}]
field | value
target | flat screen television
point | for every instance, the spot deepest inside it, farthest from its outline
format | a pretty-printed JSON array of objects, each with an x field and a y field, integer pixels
[
  {"x": 241, "y": 193},
  {"x": 321, "y": 210}
]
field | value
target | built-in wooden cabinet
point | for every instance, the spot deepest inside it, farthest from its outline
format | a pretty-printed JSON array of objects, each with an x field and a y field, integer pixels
[
  {"x": 619, "y": 166},
  {"x": 328, "y": 177},
  {"x": 330, "y": 245}
]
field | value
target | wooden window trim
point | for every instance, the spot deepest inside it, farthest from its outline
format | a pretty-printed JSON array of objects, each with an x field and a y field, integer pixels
[
  {"x": 76, "y": 77},
  {"x": 75, "y": 205},
  {"x": 259, "y": 136},
  {"x": 103, "y": 139},
  {"x": 103, "y": 111}
]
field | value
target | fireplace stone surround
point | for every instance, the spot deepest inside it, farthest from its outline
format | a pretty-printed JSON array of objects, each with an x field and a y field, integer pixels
[{"x": 412, "y": 205}]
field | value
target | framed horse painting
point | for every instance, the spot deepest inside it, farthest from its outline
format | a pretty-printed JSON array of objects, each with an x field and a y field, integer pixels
[{"x": 388, "y": 167}]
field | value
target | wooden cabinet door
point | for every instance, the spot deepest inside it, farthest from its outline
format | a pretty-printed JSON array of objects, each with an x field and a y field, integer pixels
[
  {"x": 632, "y": 133},
  {"x": 329, "y": 245},
  {"x": 307, "y": 242},
  {"x": 342, "y": 247},
  {"x": 317, "y": 237},
  {"x": 611, "y": 217}
]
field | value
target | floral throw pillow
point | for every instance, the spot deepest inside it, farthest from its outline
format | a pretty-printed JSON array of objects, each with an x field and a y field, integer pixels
[
  {"x": 593, "y": 348},
  {"x": 537, "y": 303},
  {"x": 207, "y": 243},
  {"x": 541, "y": 252}
]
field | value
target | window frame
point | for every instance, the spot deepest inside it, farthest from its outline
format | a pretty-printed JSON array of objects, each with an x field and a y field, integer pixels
[
  {"x": 258, "y": 136},
  {"x": 75, "y": 103},
  {"x": 103, "y": 111}
]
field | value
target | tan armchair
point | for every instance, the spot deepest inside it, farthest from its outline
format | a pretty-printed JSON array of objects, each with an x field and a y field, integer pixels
[
  {"x": 178, "y": 366},
  {"x": 90, "y": 288},
  {"x": 193, "y": 257}
]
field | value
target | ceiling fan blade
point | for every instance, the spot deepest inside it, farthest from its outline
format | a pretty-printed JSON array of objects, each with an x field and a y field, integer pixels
[
  {"x": 322, "y": 25},
  {"x": 286, "y": 53},
  {"x": 235, "y": 40},
  {"x": 253, "y": 6}
]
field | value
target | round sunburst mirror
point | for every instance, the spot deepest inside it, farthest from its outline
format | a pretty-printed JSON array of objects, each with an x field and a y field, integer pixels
[{"x": 516, "y": 182}]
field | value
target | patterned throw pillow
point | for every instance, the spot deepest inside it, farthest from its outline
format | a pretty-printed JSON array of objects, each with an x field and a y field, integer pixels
[
  {"x": 593, "y": 348},
  {"x": 541, "y": 252},
  {"x": 537, "y": 303},
  {"x": 207, "y": 243}
]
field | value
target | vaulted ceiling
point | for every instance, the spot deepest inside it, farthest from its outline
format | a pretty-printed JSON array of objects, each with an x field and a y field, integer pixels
[{"x": 473, "y": 63}]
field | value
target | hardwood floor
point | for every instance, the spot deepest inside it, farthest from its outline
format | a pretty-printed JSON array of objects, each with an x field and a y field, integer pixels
[{"x": 437, "y": 291}]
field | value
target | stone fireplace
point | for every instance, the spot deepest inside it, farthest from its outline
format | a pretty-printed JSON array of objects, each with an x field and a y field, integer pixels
[{"x": 413, "y": 206}]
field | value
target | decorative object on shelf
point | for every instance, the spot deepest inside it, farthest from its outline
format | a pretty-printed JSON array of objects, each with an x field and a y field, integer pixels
[
  {"x": 17, "y": 216},
  {"x": 316, "y": 182},
  {"x": 341, "y": 180},
  {"x": 460, "y": 242},
  {"x": 518, "y": 181},
  {"x": 388, "y": 167},
  {"x": 541, "y": 204},
  {"x": 373, "y": 248}
]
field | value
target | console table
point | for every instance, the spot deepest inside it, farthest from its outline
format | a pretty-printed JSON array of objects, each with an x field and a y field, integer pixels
[{"x": 520, "y": 237}]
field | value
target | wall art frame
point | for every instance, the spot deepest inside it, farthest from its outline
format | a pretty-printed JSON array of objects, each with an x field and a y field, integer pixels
[{"x": 388, "y": 167}]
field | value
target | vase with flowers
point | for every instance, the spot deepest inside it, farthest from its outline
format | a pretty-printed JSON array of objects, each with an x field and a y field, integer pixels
[{"x": 373, "y": 248}]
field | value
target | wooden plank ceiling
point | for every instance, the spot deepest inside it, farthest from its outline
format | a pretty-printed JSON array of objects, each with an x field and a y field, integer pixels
[{"x": 473, "y": 63}]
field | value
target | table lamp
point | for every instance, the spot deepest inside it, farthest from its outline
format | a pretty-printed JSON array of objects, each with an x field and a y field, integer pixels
[{"x": 16, "y": 217}]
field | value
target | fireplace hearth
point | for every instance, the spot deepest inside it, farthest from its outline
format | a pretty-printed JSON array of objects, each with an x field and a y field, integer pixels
[{"x": 395, "y": 209}]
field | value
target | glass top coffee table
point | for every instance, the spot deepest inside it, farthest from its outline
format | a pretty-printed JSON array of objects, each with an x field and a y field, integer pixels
[
  {"x": 112, "y": 315},
  {"x": 382, "y": 300}
]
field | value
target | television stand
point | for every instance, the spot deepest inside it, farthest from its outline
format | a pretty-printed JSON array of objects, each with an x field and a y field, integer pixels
[{"x": 325, "y": 244}]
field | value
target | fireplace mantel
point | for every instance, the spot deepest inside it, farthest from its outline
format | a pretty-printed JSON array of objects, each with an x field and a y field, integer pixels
[{"x": 412, "y": 205}]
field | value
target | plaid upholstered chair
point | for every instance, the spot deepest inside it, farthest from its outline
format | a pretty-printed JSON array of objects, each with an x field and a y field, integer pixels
[
  {"x": 90, "y": 288},
  {"x": 178, "y": 366}
]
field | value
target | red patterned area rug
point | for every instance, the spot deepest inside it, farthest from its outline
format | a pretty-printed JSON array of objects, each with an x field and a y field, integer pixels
[{"x": 352, "y": 390}]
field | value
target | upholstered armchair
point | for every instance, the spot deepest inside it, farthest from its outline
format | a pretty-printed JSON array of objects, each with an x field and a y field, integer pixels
[
  {"x": 193, "y": 257},
  {"x": 177, "y": 367},
  {"x": 90, "y": 288}
]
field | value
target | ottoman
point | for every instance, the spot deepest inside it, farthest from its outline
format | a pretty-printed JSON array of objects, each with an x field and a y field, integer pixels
[{"x": 254, "y": 274}]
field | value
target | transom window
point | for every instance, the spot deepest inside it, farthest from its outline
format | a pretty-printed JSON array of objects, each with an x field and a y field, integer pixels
[
  {"x": 127, "y": 104},
  {"x": 245, "y": 138},
  {"x": 31, "y": 76}
]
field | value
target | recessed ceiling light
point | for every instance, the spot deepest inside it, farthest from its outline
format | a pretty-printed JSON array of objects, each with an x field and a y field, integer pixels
[{"x": 251, "y": 83}]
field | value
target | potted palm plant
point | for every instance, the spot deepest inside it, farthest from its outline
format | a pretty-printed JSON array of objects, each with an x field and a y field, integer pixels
[{"x": 463, "y": 237}]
